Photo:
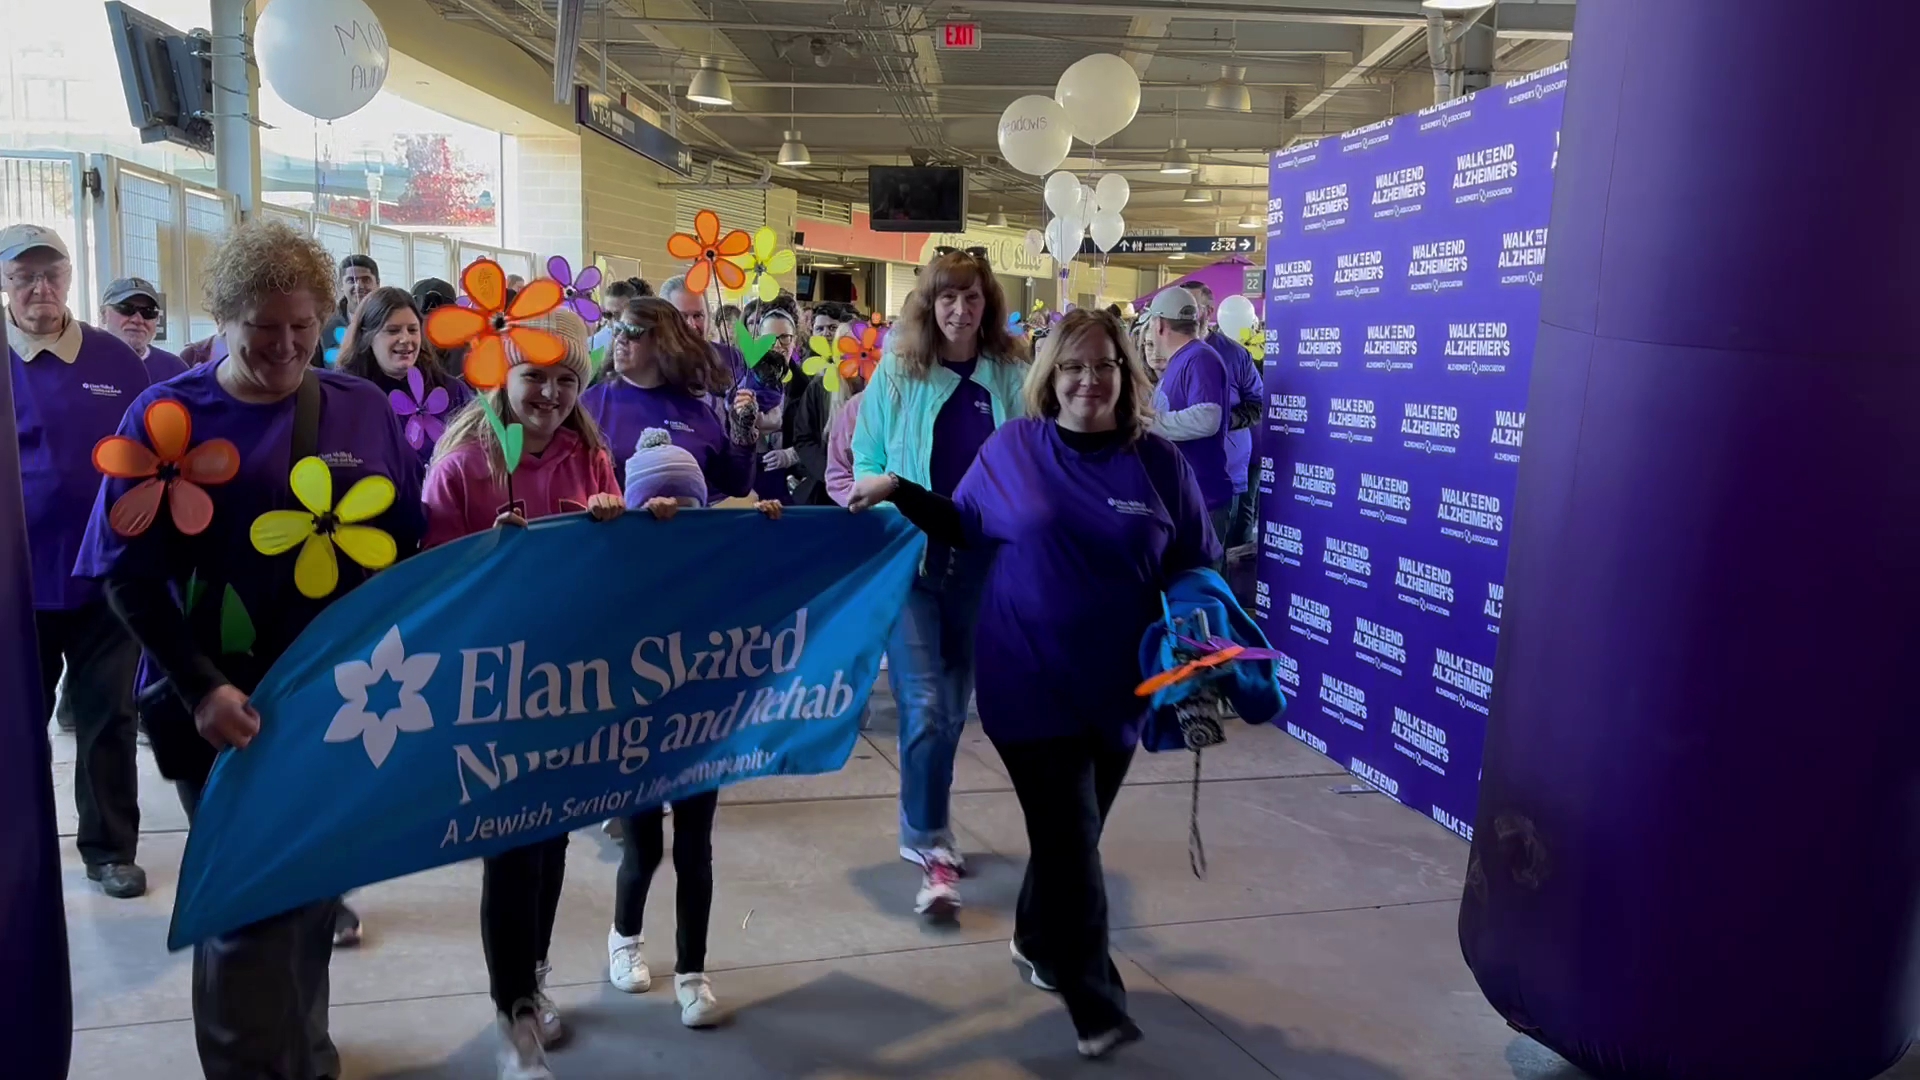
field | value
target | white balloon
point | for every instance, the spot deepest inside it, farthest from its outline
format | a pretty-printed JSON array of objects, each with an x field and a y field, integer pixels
[
  {"x": 1101, "y": 94},
  {"x": 1107, "y": 229},
  {"x": 1236, "y": 316},
  {"x": 326, "y": 58},
  {"x": 1063, "y": 237},
  {"x": 1086, "y": 202},
  {"x": 1035, "y": 134},
  {"x": 1065, "y": 196},
  {"x": 1036, "y": 242},
  {"x": 1111, "y": 194}
]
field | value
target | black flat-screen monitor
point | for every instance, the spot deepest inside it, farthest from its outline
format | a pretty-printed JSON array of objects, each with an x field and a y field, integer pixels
[
  {"x": 168, "y": 78},
  {"x": 916, "y": 199}
]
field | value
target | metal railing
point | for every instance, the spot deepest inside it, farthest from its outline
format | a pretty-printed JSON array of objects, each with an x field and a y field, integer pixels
[{"x": 120, "y": 219}]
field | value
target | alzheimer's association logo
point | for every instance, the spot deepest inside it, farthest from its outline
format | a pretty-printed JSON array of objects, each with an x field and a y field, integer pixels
[{"x": 383, "y": 698}]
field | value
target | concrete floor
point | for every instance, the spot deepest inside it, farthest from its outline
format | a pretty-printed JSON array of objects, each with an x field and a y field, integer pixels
[{"x": 1320, "y": 947}]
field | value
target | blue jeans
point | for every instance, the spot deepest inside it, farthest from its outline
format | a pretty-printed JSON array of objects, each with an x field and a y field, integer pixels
[{"x": 930, "y": 666}]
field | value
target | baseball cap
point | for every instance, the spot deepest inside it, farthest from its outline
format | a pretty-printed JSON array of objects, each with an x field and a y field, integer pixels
[
  {"x": 1174, "y": 303},
  {"x": 126, "y": 288},
  {"x": 430, "y": 293},
  {"x": 17, "y": 240}
]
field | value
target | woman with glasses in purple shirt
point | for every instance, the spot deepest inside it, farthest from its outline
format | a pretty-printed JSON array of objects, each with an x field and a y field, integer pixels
[
  {"x": 952, "y": 374},
  {"x": 1086, "y": 516}
]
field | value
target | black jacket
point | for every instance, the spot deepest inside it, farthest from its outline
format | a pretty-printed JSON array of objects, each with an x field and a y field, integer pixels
[{"x": 806, "y": 431}]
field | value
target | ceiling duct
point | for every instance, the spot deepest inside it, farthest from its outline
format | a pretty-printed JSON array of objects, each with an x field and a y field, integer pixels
[{"x": 566, "y": 48}]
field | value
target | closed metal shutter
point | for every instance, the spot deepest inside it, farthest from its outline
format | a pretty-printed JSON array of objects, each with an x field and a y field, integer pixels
[
  {"x": 739, "y": 208},
  {"x": 900, "y": 282}
]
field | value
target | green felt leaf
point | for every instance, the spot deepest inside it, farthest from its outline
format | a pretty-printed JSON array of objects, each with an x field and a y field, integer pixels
[
  {"x": 752, "y": 349},
  {"x": 236, "y": 626},
  {"x": 195, "y": 587},
  {"x": 513, "y": 444}
]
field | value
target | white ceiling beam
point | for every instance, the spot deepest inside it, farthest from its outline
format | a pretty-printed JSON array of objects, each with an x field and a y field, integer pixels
[
  {"x": 1144, "y": 26},
  {"x": 1538, "y": 16},
  {"x": 1381, "y": 44}
]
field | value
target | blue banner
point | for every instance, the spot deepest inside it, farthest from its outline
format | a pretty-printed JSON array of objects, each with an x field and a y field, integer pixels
[
  {"x": 1404, "y": 271},
  {"x": 524, "y": 683}
]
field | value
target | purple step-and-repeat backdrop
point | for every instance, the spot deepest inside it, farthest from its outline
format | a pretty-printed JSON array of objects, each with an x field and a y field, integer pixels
[{"x": 1404, "y": 271}]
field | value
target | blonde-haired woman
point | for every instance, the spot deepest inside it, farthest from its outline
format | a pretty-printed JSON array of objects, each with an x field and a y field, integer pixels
[
  {"x": 260, "y": 992},
  {"x": 951, "y": 376},
  {"x": 564, "y": 467},
  {"x": 1087, "y": 517}
]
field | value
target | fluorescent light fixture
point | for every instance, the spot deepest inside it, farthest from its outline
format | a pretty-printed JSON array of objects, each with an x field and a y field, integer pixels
[
  {"x": 1455, "y": 7},
  {"x": 1229, "y": 91},
  {"x": 793, "y": 152},
  {"x": 1179, "y": 162},
  {"x": 997, "y": 219},
  {"x": 1196, "y": 194},
  {"x": 1250, "y": 220},
  {"x": 1176, "y": 256},
  {"x": 710, "y": 85}
]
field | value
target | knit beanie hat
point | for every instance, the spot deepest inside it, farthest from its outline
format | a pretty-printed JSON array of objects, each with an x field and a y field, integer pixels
[
  {"x": 562, "y": 323},
  {"x": 659, "y": 468}
]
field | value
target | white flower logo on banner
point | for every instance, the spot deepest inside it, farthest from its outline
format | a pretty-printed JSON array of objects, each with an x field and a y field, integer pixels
[{"x": 355, "y": 677}]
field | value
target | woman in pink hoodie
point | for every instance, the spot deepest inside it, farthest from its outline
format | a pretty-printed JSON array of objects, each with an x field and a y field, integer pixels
[{"x": 564, "y": 467}]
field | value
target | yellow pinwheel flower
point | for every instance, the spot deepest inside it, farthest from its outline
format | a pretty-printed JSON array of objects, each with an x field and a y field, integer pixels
[
  {"x": 324, "y": 525},
  {"x": 763, "y": 263},
  {"x": 823, "y": 362}
]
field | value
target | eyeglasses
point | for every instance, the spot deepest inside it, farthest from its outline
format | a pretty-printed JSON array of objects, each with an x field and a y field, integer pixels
[
  {"x": 1102, "y": 369},
  {"x": 979, "y": 254},
  {"x": 57, "y": 277},
  {"x": 630, "y": 331},
  {"x": 146, "y": 311}
]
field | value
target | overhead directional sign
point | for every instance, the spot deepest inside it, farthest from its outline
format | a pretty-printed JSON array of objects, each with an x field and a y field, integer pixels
[
  {"x": 598, "y": 112},
  {"x": 1183, "y": 245}
]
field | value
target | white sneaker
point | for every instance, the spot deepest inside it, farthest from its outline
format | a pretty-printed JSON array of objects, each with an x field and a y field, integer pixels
[
  {"x": 939, "y": 895},
  {"x": 552, "y": 1030},
  {"x": 943, "y": 852},
  {"x": 1033, "y": 973},
  {"x": 698, "y": 1009},
  {"x": 521, "y": 1056},
  {"x": 1107, "y": 1041},
  {"x": 626, "y": 968}
]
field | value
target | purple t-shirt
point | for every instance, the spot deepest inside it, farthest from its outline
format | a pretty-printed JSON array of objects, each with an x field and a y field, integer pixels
[
  {"x": 61, "y": 411},
  {"x": 163, "y": 365},
  {"x": 624, "y": 411},
  {"x": 1082, "y": 544},
  {"x": 1197, "y": 376},
  {"x": 1243, "y": 375},
  {"x": 960, "y": 428},
  {"x": 358, "y": 436}
]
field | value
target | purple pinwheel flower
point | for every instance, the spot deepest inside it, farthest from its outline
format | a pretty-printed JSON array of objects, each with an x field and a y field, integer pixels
[
  {"x": 579, "y": 290},
  {"x": 422, "y": 410},
  {"x": 466, "y": 302}
]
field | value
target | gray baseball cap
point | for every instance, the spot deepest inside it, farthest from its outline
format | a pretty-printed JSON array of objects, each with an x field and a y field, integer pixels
[
  {"x": 17, "y": 240},
  {"x": 126, "y": 288},
  {"x": 1175, "y": 303}
]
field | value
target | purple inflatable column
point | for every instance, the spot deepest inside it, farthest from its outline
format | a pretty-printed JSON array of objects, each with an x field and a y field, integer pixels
[
  {"x": 1698, "y": 846},
  {"x": 36, "y": 998}
]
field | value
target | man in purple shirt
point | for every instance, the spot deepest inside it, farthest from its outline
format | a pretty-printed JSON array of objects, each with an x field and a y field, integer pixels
[
  {"x": 1194, "y": 400},
  {"x": 1243, "y": 374},
  {"x": 130, "y": 310},
  {"x": 72, "y": 383}
]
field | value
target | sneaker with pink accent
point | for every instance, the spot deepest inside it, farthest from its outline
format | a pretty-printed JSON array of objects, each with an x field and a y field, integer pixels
[{"x": 939, "y": 896}]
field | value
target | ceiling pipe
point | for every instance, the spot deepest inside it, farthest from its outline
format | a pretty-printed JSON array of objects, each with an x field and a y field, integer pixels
[{"x": 1439, "y": 49}]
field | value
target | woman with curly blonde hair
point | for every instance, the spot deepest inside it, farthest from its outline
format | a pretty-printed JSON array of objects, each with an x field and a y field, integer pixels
[{"x": 259, "y": 992}]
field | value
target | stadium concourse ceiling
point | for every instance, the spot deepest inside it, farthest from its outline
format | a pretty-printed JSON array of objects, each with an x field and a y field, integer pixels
[{"x": 869, "y": 83}]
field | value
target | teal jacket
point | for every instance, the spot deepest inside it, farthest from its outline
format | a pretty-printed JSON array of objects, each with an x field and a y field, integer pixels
[{"x": 895, "y": 430}]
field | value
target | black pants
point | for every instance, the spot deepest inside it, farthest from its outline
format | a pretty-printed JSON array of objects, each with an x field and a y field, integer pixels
[
  {"x": 260, "y": 993},
  {"x": 519, "y": 896},
  {"x": 642, "y": 848},
  {"x": 1065, "y": 787},
  {"x": 101, "y": 659}
]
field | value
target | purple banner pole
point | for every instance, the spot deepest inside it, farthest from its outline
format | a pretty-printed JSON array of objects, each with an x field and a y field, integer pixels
[
  {"x": 1697, "y": 849},
  {"x": 36, "y": 994}
]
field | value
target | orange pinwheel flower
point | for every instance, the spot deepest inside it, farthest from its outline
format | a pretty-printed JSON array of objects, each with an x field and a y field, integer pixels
[
  {"x": 488, "y": 326},
  {"x": 170, "y": 467},
  {"x": 859, "y": 356},
  {"x": 707, "y": 248}
]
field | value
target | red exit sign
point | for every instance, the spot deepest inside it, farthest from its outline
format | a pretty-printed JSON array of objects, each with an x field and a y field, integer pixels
[{"x": 960, "y": 35}]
